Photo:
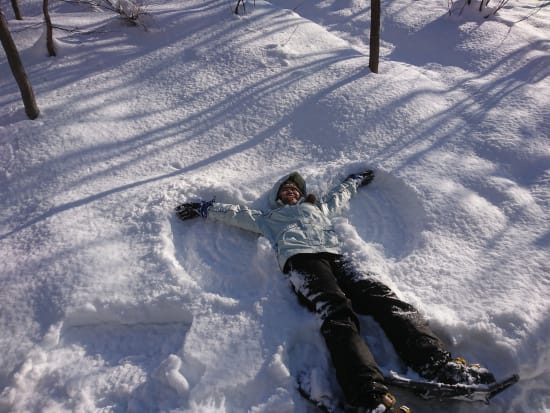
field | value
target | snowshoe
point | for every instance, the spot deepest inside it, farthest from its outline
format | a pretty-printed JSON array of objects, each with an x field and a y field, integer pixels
[{"x": 459, "y": 391}]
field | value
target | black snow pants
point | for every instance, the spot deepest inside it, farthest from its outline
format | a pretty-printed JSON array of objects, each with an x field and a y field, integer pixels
[{"x": 328, "y": 285}]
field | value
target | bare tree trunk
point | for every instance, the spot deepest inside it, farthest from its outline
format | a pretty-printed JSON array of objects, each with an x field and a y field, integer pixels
[
  {"x": 16, "y": 10},
  {"x": 483, "y": 3},
  {"x": 374, "y": 53},
  {"x": 31, "y": 109},
  {"x": 49, "y": 29}
]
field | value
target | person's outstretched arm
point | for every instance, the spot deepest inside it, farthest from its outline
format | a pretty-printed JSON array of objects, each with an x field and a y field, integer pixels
[
  {"x": 336, "y": 199},
  {"x": 235, "y": 215}
]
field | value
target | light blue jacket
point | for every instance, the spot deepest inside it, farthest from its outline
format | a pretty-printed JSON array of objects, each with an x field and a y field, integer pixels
[{"x": 291, "y": 229}]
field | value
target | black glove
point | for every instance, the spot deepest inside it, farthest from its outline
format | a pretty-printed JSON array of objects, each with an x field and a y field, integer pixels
[
  {"x": 190, "y": 210},
  {"x": 362, "y": 178}
]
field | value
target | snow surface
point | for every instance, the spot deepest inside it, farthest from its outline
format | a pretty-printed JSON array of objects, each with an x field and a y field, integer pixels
[{"x": 110, "y": 304}]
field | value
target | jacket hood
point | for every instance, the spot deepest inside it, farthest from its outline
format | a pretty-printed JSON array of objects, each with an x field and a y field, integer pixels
[{"x": 296, "y": 178}]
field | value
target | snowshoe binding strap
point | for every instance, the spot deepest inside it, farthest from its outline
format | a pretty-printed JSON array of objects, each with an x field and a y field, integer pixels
[
  {"x": 461, "y": 360},
  {"x": 388, "y": 400}
]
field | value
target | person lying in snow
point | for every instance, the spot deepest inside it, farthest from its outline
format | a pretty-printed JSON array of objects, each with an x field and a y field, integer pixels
[{"x": 300, "y": 229}]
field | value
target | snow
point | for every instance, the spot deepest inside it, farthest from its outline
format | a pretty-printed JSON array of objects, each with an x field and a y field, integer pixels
[{"x": 109, "y": 304}]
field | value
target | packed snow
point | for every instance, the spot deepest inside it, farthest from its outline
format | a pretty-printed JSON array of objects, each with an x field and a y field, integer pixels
[{"x": 108, "y": 303}]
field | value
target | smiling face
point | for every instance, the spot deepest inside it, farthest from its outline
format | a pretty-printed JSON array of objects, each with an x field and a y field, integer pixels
[{"x": 289, "y": 194}]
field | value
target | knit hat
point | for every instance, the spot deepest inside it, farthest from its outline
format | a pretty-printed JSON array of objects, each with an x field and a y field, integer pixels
[{"x": 296, "y": 179}]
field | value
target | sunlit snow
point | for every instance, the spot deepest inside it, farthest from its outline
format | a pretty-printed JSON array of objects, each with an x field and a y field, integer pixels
[{"x": 108, "y": 303}]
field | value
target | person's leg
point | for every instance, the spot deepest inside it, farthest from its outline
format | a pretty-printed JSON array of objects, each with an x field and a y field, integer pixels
[
  {"x": 356, "y": 370},
  {"x": 405, "y": 327}
]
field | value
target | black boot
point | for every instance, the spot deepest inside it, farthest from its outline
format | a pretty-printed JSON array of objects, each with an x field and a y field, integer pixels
[{"x": 458, "y": 371}]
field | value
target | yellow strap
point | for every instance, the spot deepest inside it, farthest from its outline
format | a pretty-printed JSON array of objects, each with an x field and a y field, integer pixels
[
  {"x": 461, "y": 360},
  {"x": 388, "y": 400}
]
